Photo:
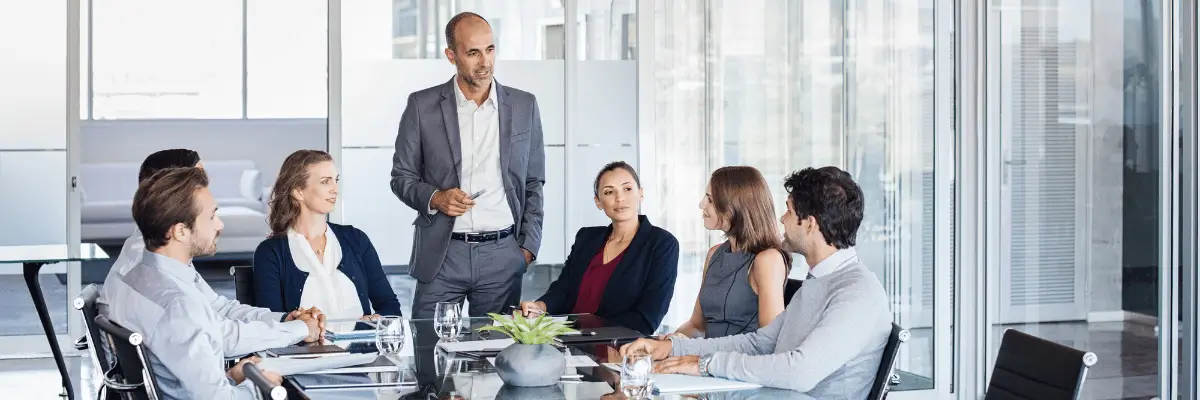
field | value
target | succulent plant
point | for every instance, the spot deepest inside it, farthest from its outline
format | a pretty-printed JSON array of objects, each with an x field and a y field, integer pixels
[{"x": 540, "y": 330}]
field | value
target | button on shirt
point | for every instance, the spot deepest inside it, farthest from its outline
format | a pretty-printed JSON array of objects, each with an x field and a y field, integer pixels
[
  {"x": 479, "y": 133},
  {"x": 189, "y": 329}
]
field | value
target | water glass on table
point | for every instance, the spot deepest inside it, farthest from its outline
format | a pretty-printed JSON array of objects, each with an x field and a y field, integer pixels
[
  {"x": 447, "y": 320},
  {"x": 637, "y": 371},
  {"x": 389, "y": 335}
]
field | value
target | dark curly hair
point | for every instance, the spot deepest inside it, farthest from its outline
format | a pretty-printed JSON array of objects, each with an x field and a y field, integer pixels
[{"x": 831, "y": 196}]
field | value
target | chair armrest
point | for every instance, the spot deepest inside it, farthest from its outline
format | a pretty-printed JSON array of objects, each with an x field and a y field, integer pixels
[{"x": 268, "y": 389}]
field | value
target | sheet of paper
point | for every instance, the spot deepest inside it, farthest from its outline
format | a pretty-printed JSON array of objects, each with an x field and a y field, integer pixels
[
  {"x": 676, "y": 383},
  {"x": 475, "y": 345},
  {"x": 292, "y": 366}
]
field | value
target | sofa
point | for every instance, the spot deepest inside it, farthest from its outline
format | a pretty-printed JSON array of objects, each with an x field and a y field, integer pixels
[{"x": 106, "y": 202}]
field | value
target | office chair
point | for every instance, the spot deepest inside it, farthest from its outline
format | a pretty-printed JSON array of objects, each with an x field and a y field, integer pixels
[
  {"x": 1029, "y": 367},
  {"x": 131, "y": 377},
  {"x": 243, "y": 283},
  {"x": 268, "y": 389},
  {"x": 789, "y": 289},
  {"x": 92, "y": 340},
  {"x": 885, "y": 377}
]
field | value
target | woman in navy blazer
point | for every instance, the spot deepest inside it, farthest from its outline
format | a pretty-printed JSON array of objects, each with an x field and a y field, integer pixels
[
  {"x": 307, "y": 262},
  {"x": 624, "y": 272}
]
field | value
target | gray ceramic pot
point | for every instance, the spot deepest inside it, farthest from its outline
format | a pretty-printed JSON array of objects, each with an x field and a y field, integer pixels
[{"x": 530, "y": 365}]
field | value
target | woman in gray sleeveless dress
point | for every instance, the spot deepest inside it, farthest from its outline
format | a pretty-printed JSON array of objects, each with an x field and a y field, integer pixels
[{"x": 744, "y": 276}]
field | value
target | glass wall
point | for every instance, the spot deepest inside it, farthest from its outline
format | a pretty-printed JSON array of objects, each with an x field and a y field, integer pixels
[
  {"x": 218, "y": 59},
  {"x": 1075, "y": 116},
  {"x": 34, "y": 111},
  {"x": 783, "y": 86}
]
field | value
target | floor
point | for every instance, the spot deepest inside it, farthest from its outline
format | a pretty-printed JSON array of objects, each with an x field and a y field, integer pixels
[{"x": 1127, "y": 351}]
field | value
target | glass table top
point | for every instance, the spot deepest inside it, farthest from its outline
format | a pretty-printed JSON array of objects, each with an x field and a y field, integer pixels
[
  {"x": 51, "y": 253},
  {"x": 432, "y": 373}
]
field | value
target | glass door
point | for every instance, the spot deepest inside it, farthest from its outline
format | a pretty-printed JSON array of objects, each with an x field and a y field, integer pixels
[
  {"x": 34, "y": 121},
  {"x": 1075, "y": 129}
]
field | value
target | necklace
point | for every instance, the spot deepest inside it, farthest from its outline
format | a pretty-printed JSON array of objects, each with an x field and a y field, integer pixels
[{"x": 321, "y": 250}]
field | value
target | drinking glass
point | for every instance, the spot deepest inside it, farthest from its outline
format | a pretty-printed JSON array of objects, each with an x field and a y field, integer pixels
[
  {"x": 447, "y": 320},
  {"x": 637, "y": 371},
  {"x": 389, "y": 335}
]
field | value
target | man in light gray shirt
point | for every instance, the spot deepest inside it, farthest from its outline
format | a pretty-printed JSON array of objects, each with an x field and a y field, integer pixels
[
  {"x": 235, "y": 313},
  {"x": 188, "y": 329},
  {"x": 829, "y": 340}
]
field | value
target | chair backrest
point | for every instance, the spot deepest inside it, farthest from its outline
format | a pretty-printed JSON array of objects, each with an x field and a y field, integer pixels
[
  {"x": 243, "y": 284},
  {"x": 789, "y": 289},
  {"x": 268, "y": 389},
  {"x": 86, "y": 304},
  {"x": 131, "y": 376},
  {"x": 887, "y": 364},
  {"x": 1029, "y": 367}
]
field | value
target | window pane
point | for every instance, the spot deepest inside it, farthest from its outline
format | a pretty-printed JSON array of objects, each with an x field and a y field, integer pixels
[
  {"x": 287, "y": 59},
  {"x": 848, "y": 83},
  {"x": 522, "y": 30},
  {"x": 607, "y": 30},
  {"x": 167, "y": 59},
  {"x": 1078, "y": 85}
]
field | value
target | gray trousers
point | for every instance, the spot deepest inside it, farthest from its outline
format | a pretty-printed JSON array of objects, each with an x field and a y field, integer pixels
[{"x": 487, "y": 275}]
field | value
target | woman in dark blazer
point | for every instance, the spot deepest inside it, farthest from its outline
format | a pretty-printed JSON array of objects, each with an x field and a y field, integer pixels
[
  {"x": 307, "y": 262},
  {"x": 624, "y": 272}
]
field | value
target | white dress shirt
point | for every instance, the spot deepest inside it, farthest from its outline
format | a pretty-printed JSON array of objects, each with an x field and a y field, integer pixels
[
  {"x": 479, "y": 133},
  {"x": 189, "y": 330},
  {"x": 326, "y": 288}
]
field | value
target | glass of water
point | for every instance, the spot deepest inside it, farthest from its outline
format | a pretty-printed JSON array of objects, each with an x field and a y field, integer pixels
[
  {"x": 389, "y": 335},
  {"x": 637, "y": 371},
  {"x": 447, "y": 320}
]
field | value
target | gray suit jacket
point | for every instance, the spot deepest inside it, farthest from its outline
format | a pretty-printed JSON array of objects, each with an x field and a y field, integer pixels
[{"x": 429, "y": 157}]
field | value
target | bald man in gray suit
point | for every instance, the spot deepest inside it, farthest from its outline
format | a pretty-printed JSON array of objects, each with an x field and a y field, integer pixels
[{"x": 470, "y": 159}]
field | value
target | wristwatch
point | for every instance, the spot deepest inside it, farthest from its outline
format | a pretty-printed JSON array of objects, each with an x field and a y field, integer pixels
[{"x": 704, "y": 361}]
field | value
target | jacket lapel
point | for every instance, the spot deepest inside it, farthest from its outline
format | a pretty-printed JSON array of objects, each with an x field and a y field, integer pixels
[
  {"x": 450, "y": 119},
  {"x": 505, "y": 131},
  {"x": 632, "y": 253}
]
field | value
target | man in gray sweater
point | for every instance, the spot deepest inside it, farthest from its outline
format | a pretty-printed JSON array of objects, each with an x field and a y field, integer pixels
[{"x": 829, "y": 340}]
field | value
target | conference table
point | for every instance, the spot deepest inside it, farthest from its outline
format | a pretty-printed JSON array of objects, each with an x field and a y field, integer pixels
[
  {"x": 433, "y": 373},
  {"x": 33, "y": 258}
]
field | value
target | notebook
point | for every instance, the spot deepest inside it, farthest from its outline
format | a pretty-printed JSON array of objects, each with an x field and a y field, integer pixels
[
  {"x": 603, "y": 334},
  {"x": 306, "y": 351}
]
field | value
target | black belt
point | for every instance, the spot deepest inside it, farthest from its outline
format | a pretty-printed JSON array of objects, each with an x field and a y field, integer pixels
[{"x": 480, "y": 237}]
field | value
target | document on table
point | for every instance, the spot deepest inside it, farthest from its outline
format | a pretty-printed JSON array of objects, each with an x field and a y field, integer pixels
[
  {"x": 292, "y": 366},
  {"x": 475, "y": 345}
]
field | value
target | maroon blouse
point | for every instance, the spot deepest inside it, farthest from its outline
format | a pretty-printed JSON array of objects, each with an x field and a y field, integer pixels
[{"x": 595, "y": 279}]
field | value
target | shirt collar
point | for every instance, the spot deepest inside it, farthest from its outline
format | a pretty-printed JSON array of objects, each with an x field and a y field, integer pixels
[
  {"x": 834, "y": 262},
  {"x": 461, "y": 97},
  {"x": 170, "y": 266}
]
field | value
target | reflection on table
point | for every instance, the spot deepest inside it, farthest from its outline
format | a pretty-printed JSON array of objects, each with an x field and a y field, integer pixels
[{"x": 432, "y": 373}]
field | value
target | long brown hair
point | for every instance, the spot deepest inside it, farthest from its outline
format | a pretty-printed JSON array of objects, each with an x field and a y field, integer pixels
[
  {"x": 293, "y": 175},
  {"x": 741, "y": 196}
]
